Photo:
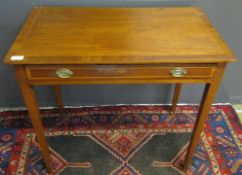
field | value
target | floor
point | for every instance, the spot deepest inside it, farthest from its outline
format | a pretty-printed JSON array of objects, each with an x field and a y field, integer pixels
[
  {"x": 138, "y": 148},
  {"x": 238, "y": 108}
]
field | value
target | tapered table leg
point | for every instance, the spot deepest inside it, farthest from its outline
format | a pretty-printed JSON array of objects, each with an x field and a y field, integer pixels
[
  {"x": 31, "y": 103},
  {"x": 58, "y": 97},
  {"x": 176, "y": 96},
  {"x": 207, "y": 99}
]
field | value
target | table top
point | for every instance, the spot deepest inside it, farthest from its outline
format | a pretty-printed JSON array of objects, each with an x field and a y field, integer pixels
[{"x": 75, "y": 35}]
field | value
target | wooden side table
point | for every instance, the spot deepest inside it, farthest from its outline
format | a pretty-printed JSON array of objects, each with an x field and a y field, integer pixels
[{"x": 72, "y": 45}]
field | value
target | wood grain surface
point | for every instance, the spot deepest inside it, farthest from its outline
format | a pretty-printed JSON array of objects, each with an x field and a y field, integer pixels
[{"x": 64, "y": 35}]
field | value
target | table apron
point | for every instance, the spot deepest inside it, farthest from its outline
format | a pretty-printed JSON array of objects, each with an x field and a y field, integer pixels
[
  {"x": 119, "y": 81},
  {"x": 119, "y": 74}
]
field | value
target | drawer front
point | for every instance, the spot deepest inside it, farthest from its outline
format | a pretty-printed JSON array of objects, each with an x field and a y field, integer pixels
[{"x": 102, "y": 72}]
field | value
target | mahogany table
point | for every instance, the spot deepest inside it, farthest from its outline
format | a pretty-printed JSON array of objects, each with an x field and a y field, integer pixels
[{"x": 73, "y": 45}]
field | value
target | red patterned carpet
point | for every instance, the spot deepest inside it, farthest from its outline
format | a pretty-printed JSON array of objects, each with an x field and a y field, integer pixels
[{"x": 122, "y": 140}]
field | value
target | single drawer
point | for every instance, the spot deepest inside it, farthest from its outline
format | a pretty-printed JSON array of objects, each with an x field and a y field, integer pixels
[{"x": 69, "y": 72}]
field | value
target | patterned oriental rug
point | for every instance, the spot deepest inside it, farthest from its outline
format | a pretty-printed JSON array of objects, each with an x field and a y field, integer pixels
[{"x": 122, "y": 140}]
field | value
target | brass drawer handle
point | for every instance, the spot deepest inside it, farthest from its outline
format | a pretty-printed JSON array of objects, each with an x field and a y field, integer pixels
[
  {"x": 178, "y": 72},
  {"x": 63, "y": 73}
]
